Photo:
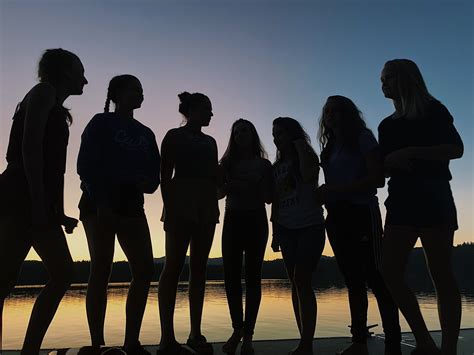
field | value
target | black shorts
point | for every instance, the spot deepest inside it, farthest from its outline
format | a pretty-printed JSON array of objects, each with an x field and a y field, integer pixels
[
  {"x": 87, "y": 207},
  {"x": 422, "y": 204}
]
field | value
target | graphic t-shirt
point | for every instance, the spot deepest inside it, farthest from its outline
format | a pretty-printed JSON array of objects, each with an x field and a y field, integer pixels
[
  {"x": 116, "y": 154},
  {"x": 297, "y": 207}
]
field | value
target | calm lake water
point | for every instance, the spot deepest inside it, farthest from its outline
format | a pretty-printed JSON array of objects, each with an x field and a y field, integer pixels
[{"x": 275, "y": 321}]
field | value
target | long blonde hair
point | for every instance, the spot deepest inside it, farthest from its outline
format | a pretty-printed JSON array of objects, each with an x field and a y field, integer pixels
[{"x": 414, "y": 95}]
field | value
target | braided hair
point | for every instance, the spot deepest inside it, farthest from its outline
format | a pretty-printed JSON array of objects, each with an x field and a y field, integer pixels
[{"x": 115, "y": 85}]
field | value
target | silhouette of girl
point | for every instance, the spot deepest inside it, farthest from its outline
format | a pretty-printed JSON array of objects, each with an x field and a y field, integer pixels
[
  {"x": 118, "y": 162},
  {"x": 353, "y": 170},
  {"x": 189, "y": 172},
  {"x": 31, "y": 208},
  {"x": 417, "y": 141},
  {"x": 298, "y": 225},
  {"x": 247, "y": 186}
]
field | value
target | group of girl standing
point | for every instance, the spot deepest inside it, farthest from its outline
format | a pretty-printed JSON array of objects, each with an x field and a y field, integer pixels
[{"x": 119, "y": 161}]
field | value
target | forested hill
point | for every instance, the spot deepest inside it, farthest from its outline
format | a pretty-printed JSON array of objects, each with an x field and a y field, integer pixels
[{"x": 34, "y": 273}]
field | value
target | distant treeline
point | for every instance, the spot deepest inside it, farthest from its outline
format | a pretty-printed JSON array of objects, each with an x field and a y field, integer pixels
[{"x": 327, "y": 275}]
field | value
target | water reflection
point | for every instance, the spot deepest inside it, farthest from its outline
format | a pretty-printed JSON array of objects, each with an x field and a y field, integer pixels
[{"x": 275, "y": 321}]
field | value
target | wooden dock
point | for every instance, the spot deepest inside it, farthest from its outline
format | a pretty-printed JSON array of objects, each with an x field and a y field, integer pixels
[{"x": 322, "y": 346}]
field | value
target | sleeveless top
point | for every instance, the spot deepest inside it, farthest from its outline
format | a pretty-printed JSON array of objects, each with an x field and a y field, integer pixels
[
  {"x": 193, "y": 188},
  {"x": 13, "y": 183}
]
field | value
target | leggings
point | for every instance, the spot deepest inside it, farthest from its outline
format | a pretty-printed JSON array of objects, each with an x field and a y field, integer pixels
[
  {"x": 354, "y": 232},
  {"x": 244, "y": 232}
]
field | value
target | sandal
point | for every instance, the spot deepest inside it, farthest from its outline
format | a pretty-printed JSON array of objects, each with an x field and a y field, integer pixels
[
  {"x": 135, "y": 349},
  {"x": 231, "y": 344},
  {"x": 247, "y": 349},
  {"x": 174, "y": 349},
  {"x": 200, "y": 345},
  {"x": 112, "y": 351}
]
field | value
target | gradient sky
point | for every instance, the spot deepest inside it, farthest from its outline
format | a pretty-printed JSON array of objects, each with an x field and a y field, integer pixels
[{"x": 256, "y": 60}]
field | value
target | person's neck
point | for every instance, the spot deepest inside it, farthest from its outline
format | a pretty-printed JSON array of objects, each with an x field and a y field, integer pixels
[
  {"x": 61, "y": 95},
  {"x": 124, "y": 112},
  {"x": 192, "y": 126},
  {"x": 398, "y": 107}
]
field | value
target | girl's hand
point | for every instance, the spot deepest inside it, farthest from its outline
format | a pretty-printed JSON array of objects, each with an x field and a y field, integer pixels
[
  {"x": 69, "y": 223},
  {"x": 275, "y": 245},
  {"x": 399, "y": 160}
]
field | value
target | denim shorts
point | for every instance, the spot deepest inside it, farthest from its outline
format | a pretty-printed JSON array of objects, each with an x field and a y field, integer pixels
[{"x": 300, "y": 246}]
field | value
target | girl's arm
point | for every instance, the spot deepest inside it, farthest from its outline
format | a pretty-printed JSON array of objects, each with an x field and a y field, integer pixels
[
  {"x": 90, "y": 162},
  {"x": 69, "y": 223},
  {"x": 222, "y": 189},
  {"x": 167, "y": 164},
  {"x": 150, "y": 183}
]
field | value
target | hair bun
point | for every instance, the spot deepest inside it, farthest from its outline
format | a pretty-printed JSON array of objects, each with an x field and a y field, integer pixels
[{"x": 185, "y": 100}]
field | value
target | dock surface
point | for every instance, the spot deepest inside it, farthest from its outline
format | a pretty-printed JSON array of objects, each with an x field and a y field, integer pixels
[{"x": 322, "y": 346}]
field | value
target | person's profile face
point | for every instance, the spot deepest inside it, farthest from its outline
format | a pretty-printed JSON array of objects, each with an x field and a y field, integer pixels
[
  {"x": 131, "y": 95},
  {"x": 389, "y": 81},
  {"x": 202, "y": 113},
  {"x": 281, "y": 138},
  {"x": 75, "y": 78},
  {"x": 332, "y": 114},
  {"x": 243, "y": 136}
]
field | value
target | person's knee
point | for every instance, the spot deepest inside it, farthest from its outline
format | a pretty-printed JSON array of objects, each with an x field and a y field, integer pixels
[
  {"x": 197, "y": 278},
  {"x": 100, "y": 273},
  {"x": 6, "y": 287},
  {"x": 172, "y": 269},
  {"x": 356, "y": 285},
  {"x": 302, "y": 277},
  {"x": 145, "y": 273},
  {"x": 63, "y": 277},
  {"x": 443, "y": 277},
  {"x": 253, "y": 281}
]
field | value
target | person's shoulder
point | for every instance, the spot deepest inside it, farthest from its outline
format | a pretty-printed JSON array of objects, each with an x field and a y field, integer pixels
[
  {"x": 174, "y": 131},
  {"x": 42, "y": 92},
  {"x": 366, "y": 135},
  {"x": 437, "y": 111},
  {"x": 100, "y": 118},
  {"x": 387, "y": 121},
  {"x": 43, "y": 88},
  {"x": 210, "y": 139},
  {"x": 147, "y": 130},
  {"x": 172, "y": 134}
]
